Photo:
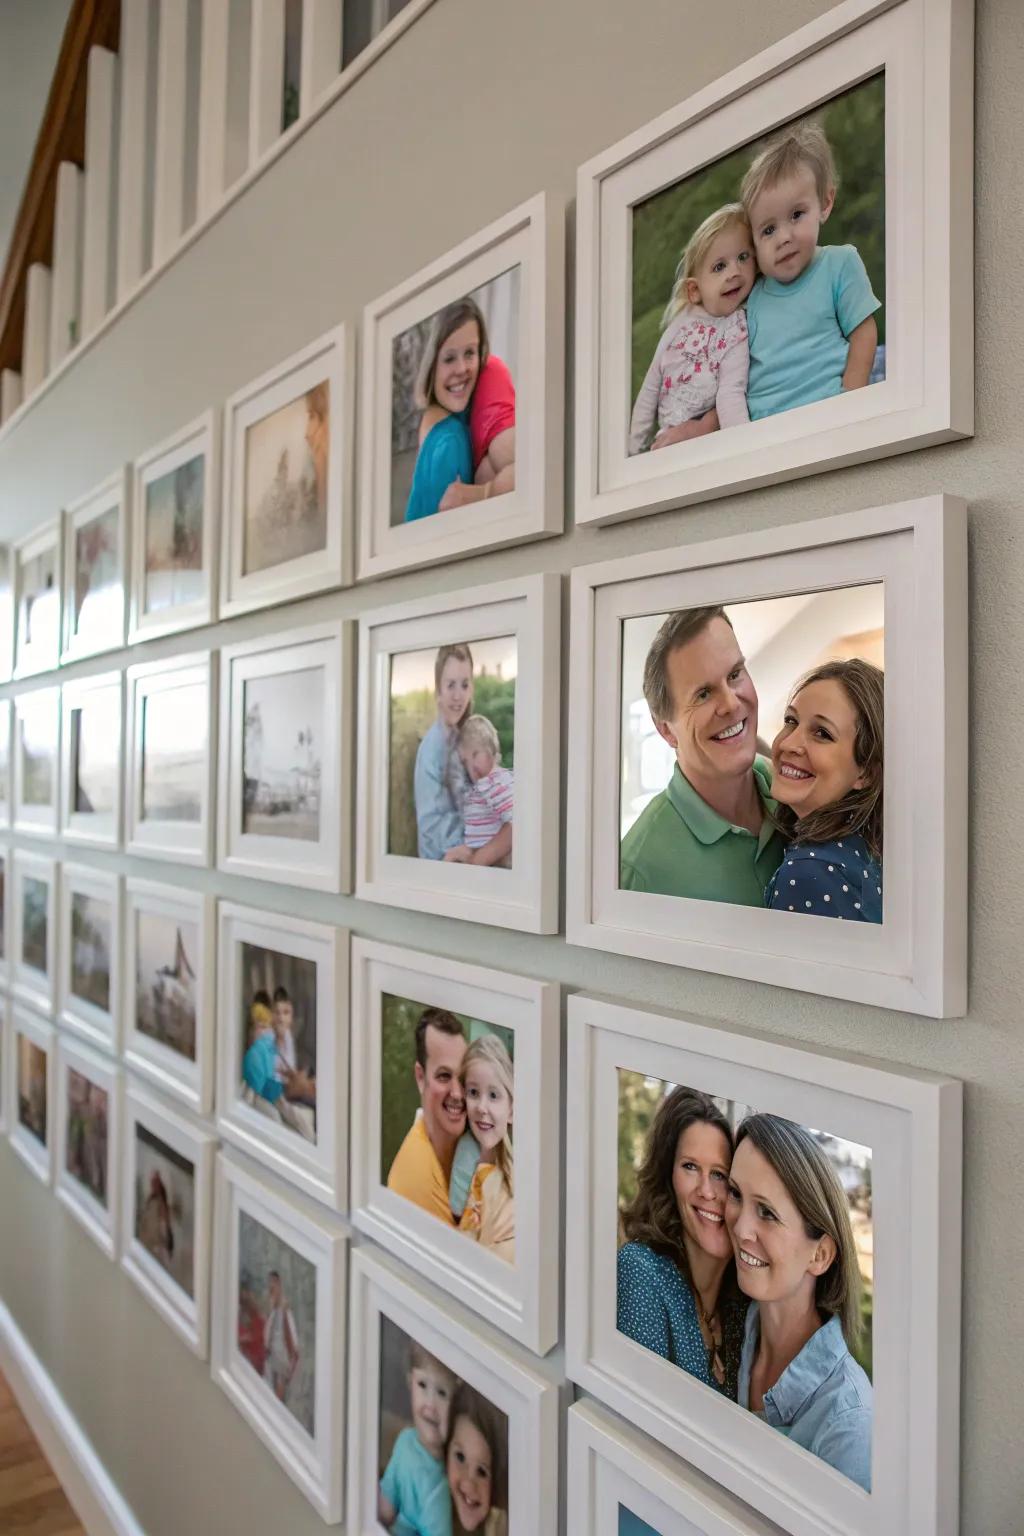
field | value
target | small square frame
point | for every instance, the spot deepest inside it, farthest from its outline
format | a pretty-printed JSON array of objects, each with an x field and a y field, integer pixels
[
  {"x": 190, "y": 1082},
  {"x": 189, "y": 1316},
  {"x": 41, "y": 655},
  {"x": 522, "y": 1298},
  {"x": 496, "y": 1369},
  {"x": 41, "y": 1159},
  {"x": 200, "y": 438},
  {"x": 99, "y": 1222},
  {"x": 41, "y": 705},
  {"x": 313, "y": 1462},
  {"x": 926, "y": 50},
  {"x": 530, "y": 237},
  {"x": 328, "y": 358},
  {"x": 112, "y": 495},
  {"x": 90, "y": 828},
  {"x": 912, "y": 1121},
  {"x": 321, "y": 1169},
  {"x": 917, "y": 958},
  {"x": 29, "y": 985},
  {"x": 92, "y": 1024},
  {"x": 183, "y": 841},
  {"x": 525, "y": 896},
  {"x": 323, "y": 865}
]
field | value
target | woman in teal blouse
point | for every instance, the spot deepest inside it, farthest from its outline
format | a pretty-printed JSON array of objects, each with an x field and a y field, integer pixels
[
  {"x": 677, "y": 1293},
  {"x": 456, "y": 351}
]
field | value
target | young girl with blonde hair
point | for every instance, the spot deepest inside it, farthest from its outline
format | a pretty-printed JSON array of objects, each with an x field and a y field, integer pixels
[{"x": 489, "y": 1211}]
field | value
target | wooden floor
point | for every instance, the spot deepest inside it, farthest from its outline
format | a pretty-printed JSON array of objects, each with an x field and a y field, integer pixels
[{"x": 32, "y": 1502}]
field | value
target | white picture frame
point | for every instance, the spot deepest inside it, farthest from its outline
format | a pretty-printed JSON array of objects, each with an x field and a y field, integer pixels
[
  {"x": 523, "y": 897},
  {"x": 187, "y": 1078},
  {"x": 926, "y": 52},
  {"x": 99, "y": 1219},
  {"x": 530, "y": 237},
  {"x": 193, "y": 679},
  {"x": 319, "y": 1168},
  {"x": 37, "y": 642},
  {"x": 101, "y": 696},
  {"x": 610, "y": 1468},
  {"x": 31, "y": 983},
  {"x": 36, "y": 1153},
  {"x": 912, "y": 1121},
  {"x": 520, "y": 1298},
  {"x": 36, "y": 720},
  {"x": 496, "y": 1368},
  {"x": 328, "y": 359},
  {"x": 106, "y": 630},
  {"x": 199, "y": 439},
  {"x": 321, "y": 862},
  {"x": 84, "y": 1016},
  {"x": 187, "y": 1314},
  {"x": 6, "y": 1057},
  {"x": 916, "y": 959},
  {"x": 6, "y": 612},
  {"x": 312, "y": 1460},
  {"x": 6, "y": 762},
  {"x": 6, "y": 900}
]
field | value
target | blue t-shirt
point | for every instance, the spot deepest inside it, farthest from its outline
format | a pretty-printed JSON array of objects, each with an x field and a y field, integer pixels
[
  {"x": 444, "y": 457},
  {"x": 259, "y": 1067},
  {"x": 837, "y": 879},
  {"x": 798, "y": 332},
  {"x": 415, "y": 1483}
]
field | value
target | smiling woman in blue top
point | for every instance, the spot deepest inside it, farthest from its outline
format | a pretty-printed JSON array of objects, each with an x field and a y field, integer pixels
[
  {"x": 456, "y": 352},
  {"x": 789, "y": 1223}
]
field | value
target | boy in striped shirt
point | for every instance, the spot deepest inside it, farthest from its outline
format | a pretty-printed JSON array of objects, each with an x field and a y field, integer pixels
[{"x": 487, "y": 803}]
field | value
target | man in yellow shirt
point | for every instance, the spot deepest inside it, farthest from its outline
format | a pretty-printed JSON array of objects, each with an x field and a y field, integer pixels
[{"x": 423, "y": 1163}]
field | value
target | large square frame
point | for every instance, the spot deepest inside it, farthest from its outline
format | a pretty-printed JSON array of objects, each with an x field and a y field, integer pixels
[
  {"x": 314, "y": 1463},
  {"x": 525, "y": 896},
  {"x": 201, "y": 436},
  {"x": 381, "y": 1288},
  {"x": 184, "y": 842},
  {"x": 521, "y": 1300},
  {"x": 36, "y": 820},
  {"x": 29, "y": 985},
  {"x": 113, "y": 494},
  {"x": 926, "y": 50},
  {"x": 917, "y": 958},
  {"x": 92, "y": 1024},
  {"x": 912, "y": 1121},
  {"x": 532, "y": 238},
  {"x": 90, "y": 829},
  {"x": 40, "y": 1159},
  {"x": 101, "y": 1225}
]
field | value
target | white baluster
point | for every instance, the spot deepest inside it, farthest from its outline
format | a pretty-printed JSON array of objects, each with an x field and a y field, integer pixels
[
  {"x": 36, "y": 342},
  {"x": 98, "y": 189},
  {"x": 10, "y": 393},
  {"x": 266, "y": 76},
  {"x": 321, "y": 49},
  {"x": 66, "y": 292}
]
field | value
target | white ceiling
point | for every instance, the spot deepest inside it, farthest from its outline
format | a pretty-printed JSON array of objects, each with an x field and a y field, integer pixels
[{"x": 30, "y": 37}]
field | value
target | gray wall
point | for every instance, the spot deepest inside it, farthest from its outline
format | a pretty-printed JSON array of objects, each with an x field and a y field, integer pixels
[{"x": 479, "y": 106}]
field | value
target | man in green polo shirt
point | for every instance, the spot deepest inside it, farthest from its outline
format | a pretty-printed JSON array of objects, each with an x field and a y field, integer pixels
[{"x": 706, "y": 835}]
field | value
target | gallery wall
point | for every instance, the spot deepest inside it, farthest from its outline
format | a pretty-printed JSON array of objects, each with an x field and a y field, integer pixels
[{"x": 481, "y": 105}]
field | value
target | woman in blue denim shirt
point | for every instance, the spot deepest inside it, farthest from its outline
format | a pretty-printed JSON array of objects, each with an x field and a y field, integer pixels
[
  {"x": 789, "y": 1221},
  {"x": 440, "y": 779}
]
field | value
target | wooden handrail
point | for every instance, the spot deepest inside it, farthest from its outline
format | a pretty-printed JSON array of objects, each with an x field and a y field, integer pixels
[{"x": 61, "y": 137}]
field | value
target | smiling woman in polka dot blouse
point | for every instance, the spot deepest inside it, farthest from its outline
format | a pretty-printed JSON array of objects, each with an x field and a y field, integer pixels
[{"x": 827, "y": 781}]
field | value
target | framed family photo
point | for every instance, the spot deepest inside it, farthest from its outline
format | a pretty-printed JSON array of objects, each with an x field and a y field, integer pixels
[
  {"x": 175, "y": 499},
  {"x": 171, "y": 738},
  {"x": 771, "y": 692},
  {"x": 279, "y": 1327},
  {"x": 89, "y": 955},
  {"x": 31, "y": 1070},
  {"x": 167, "y": 1213},
  {"x": 169, "y": 957},
  {"x": 36, "y": 583},
  {"x": 625, "y": 1485},
  {"x": 452, "y": 819},
  {"x": 285, "y": 763},
  {"x": 285, "y": 513},
  {"x": 33, "y": 928},
  {"x": 744, "y": 1284},
  {"x": 461, "y": 399},
  {"x": 91, "y": 759},
  {"x": 455, "y": 1130},
  {"x": 36, "y": 775},
  {"x": 88, "y": 1103},
  {"x": 774, "y": 277},
  {"x": 282, "y": 1055},
  {"x": 96, "y": 570},
  {"x": 439, "y": 1409}
]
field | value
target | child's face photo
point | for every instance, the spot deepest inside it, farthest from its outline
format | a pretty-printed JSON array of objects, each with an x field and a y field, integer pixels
[
  {"x": 726, "y": 274},
  {"x": 479, "y": 762},
  {"x": 470, "y": 1474},
  {"x": 786, "y": 220},
  {"x": 431, "y": 1388},
  {"x": 488, "y": 1105}
]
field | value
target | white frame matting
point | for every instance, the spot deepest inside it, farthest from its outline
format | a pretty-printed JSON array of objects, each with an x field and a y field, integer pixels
[
  {"x": 43, "y": 706},
  {"x": 36, "y": 1155},
  {"x": 98, "y": 829},
  {"x": 108, "y": 633},
  {"x": 925, "y": 48},
  {"x": 530, "y": 237},
  {"x": 497, "y": 1370},
  {"x": 916, "y": 959},
  {"x": 525, "y": 896},
  {"x": 313, "y": 1462},
  {"x": 28, "y": 983},
  {"x": 199, "y": 439},
  {"x": 186, "y": 842},
  {"x": 912, "y": 1121},
  {"x": 101, "y": 1222},
  {"x": 86, "y": 1019}
]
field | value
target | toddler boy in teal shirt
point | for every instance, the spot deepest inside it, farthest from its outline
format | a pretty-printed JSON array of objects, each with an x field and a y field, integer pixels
[{"x": 810, "y": 315}]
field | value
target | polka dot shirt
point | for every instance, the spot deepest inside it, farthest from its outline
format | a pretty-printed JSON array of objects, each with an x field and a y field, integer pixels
[
  {"x": 838, "y": 879},
  {"x": 656, "y": 1308}
]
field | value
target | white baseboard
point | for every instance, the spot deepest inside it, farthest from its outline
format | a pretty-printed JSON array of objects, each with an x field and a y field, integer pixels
[{"x": 88, "y": 1486}]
